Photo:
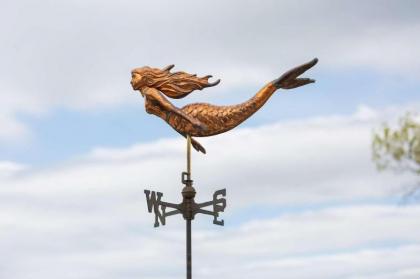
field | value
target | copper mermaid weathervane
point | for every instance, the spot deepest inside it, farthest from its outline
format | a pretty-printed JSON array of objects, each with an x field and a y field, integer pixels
[{"x": 202, "y": 119}]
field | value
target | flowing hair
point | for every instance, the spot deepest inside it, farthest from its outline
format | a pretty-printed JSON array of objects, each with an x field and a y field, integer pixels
[{"x": 174, "y": 85}]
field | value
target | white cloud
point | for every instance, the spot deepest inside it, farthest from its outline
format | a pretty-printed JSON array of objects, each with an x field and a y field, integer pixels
[
  {"x": 346, "y": 242},
  {"x": 87, "y": 218},
  {"x": 7, "y": 168},
  {"x": 409, "y": 273},
  {"x": 11, "y": 129}
]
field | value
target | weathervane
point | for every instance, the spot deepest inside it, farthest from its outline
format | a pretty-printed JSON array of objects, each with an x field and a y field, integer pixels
[{"x": 198, "y": 120}]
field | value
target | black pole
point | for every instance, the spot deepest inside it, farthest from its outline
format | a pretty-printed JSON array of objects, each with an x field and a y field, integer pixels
[{"x": 189, "y": 262}]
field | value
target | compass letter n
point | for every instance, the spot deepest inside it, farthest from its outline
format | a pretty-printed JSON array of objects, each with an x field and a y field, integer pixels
[{"x": 153, "y": 204}]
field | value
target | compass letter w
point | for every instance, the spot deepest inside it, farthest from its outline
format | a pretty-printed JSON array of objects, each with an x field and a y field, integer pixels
[{"x": 153, "y": 203}]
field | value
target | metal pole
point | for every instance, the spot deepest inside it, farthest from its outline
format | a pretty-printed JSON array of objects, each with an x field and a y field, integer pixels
[
  {"x": 189, "y": 261},
  {"x": 189, "y": 156},
  {"x": 188, "y": 220}
]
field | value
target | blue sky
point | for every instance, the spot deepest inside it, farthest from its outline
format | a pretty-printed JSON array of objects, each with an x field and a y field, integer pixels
[{"x": 304, "y": 199}]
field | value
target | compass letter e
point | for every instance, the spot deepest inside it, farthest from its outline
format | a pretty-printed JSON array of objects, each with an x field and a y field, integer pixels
[
  {"x": 219, "y": 205},
  {"x": 153, "y": 204}
]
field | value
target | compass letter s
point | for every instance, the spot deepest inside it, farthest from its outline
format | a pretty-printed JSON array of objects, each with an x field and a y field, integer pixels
[{"x": 153, "y": 204}]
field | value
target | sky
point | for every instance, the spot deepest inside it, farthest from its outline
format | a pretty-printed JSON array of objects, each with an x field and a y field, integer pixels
[{"x": 77, "y": 148}]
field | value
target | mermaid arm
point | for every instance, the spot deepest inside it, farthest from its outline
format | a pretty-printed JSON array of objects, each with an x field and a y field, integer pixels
[{"x": 168, "y": 108}]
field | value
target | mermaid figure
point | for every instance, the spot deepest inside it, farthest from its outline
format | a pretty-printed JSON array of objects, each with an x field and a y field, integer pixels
[{"x": 202, "y": 119}]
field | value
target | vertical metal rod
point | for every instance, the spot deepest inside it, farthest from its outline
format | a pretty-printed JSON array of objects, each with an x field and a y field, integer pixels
[
  {"x": 189, "y": 260},
  {"x": 188, "y": 220},
  {"x": 189, "y": 156}
]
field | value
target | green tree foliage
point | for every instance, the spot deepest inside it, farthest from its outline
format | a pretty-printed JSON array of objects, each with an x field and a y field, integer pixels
[{"x": 399, "y": 148}]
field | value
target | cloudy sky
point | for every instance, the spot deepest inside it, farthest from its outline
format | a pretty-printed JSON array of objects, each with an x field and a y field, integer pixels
[{"x": 304, "y": 199}]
